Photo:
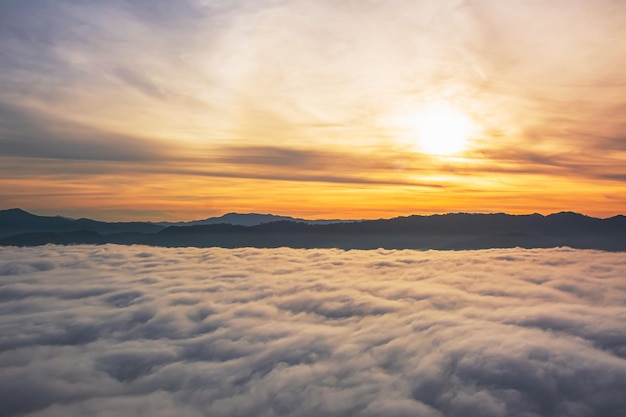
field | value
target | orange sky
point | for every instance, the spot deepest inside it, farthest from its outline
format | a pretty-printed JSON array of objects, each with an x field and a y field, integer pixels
[{"x": 158, "y": 110}]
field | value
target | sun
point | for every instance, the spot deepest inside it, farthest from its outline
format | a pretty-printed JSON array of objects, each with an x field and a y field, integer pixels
[{"x": 438, "y": 128}]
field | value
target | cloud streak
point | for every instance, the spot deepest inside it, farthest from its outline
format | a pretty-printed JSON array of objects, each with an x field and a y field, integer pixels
[
  {"x": 103, "y": 330},
  {"x": 29, "y": 134}
]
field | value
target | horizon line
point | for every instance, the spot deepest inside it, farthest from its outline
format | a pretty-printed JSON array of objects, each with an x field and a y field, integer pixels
[{"x": 295, "y": 218}]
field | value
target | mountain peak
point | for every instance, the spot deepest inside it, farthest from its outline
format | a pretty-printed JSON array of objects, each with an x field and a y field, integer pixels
[
  {"x": 249, "y": 219},
  {"x": 16, "y": 214},
  {"x": 15, "y": 211},
  {"x": 568, "y": 214}
]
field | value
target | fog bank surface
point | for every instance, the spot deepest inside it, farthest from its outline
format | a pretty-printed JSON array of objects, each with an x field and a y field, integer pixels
[{"x": 145, "y": 331}]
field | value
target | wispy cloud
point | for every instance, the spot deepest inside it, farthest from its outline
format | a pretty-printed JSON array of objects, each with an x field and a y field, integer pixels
[
  {"x": 247, "y": 89},
  {"x": 30, "y": 134},
  {"x": 106, "y": 329}
]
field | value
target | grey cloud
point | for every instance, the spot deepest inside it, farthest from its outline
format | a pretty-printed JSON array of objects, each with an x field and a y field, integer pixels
[
  {"x": 303, "y": 177},
  {"x": 104, "y": 330},
  {"x": 615, "y": 143},
  {"x": 139, "y": 82},
  {"x": 102, "y": 153},
  {"x": 31, "y": 134},
  {"x": 292, "y": 164},
  {"x": 311, "y": 159},
  {"x": 594, "y": 164},
  {"x": 615, "y": 177},
  {"x": 164, "y": 13},
  {"x": 276, "y": 156},
  {"x": 67, "y": 53}
]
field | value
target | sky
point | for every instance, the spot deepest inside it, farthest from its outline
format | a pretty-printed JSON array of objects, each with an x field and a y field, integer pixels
[
  {"x": 142, "y": 331},
  {"x": 163, "y": 110}
]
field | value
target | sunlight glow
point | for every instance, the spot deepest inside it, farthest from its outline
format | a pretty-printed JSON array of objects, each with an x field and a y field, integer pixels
[{"x": 441, "y": 129}]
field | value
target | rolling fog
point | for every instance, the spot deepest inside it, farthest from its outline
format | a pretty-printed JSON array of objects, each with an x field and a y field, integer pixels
[{"x": 144, "y": 331}]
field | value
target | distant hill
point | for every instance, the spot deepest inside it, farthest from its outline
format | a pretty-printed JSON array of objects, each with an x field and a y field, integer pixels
[
  {"x": 17, "y": 221},
  {"x": 249, "y": 219},
  {"x": 448, "y": 231}
]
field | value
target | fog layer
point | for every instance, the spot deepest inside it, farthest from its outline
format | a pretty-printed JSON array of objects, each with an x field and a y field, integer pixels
[{"x": 143, "y": 331}]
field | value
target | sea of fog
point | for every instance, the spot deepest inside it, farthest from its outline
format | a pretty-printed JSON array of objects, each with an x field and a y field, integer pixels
[{"x": 144, "y": 331}]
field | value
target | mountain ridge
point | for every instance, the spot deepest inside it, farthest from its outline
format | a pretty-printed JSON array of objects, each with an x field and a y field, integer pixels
[
  {"x": 439, "y": 231},
  {"x": 250, "y": 219},
  {"x": 16, "y": 221}
]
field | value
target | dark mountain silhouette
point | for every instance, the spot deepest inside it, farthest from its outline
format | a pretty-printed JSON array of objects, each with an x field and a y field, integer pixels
[
  {"x": 248, "y": 219},
  {"x": 447, "y": 231},
  {"x": 16, "y": 221}
]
